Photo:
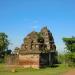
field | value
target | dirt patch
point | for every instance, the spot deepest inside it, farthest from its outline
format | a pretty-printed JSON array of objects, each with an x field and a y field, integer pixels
[{"x": 70, "y": 72}]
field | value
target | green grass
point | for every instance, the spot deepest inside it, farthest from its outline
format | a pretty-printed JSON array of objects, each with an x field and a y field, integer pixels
[{"x": 45, "y": 71}]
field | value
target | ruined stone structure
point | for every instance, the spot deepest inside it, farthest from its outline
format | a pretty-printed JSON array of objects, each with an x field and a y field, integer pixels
[{"x": 38, "y": 49}]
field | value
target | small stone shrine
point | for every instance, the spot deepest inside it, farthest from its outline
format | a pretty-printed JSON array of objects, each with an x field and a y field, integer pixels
[{"x": 38, "y": 50}]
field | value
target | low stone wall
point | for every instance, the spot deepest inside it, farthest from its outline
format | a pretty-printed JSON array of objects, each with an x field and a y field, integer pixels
[{"x": 12, "y": 59}]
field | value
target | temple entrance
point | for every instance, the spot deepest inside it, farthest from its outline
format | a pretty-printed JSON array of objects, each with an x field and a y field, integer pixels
[{"x": 44, "y": 59}]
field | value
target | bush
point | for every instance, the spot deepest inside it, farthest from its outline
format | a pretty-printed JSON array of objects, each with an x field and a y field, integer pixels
[{"x": 70, "y": 58}]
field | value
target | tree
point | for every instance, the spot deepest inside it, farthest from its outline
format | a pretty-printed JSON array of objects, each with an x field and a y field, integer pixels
[
  {"x": 70, "y": 46},
  {"x": 3, "y": 44}
]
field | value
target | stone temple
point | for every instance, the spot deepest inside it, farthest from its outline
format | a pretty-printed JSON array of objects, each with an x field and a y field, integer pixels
[{"x": 38, "y": 49}]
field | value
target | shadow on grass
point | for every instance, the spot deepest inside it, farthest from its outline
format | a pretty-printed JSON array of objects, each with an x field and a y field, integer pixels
[{"x": 51, "y": 66}]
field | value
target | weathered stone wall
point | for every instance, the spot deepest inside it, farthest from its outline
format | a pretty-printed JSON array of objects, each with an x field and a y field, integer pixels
[
  {"x": 29, "y": 60},
  {"x": 12, "y": 59}
]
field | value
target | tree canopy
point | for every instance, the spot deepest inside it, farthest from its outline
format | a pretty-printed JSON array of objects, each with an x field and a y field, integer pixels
[
  {"x": 70, "y": 44},
  {"x": 3, "y": 42}
]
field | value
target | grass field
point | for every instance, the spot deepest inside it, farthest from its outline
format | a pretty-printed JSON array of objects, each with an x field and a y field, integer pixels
[{"x": 45, "y": 71}]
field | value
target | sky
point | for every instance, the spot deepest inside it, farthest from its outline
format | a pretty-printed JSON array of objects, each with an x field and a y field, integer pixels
[{"x": 20, "y": 17}]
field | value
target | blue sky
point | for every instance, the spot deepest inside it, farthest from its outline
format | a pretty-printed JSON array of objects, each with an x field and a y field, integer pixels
[{"x": 19, "y": 17}]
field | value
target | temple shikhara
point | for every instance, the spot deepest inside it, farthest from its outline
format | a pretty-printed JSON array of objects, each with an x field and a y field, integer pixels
[{"x": 38, "y": 50}]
